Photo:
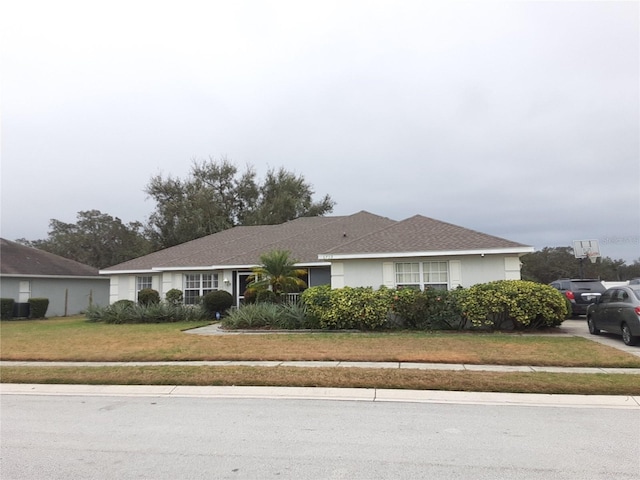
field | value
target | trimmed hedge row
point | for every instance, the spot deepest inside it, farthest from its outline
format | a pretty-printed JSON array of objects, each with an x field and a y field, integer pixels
[
  {"x": 6, "y": 308},
  {"x": 501, "y": 305},
  {"x": 513, "y": 305},
  {"x": 37, "y": 308},
  {"x": 126, "y": 311},
  {"x": 150, "y": 309}
]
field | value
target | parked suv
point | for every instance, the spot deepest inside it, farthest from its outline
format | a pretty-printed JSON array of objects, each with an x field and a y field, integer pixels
[{"x": 580, "y": 292}]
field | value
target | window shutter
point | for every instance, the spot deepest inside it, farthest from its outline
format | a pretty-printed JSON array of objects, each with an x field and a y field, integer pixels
[
  {"x": 455, "y": 273},
  {"x": 388, "y": 275}
]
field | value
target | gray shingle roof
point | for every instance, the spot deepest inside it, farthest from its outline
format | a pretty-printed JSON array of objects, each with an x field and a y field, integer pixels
[
  {"x": 306, "y": 238},
  {"x": 423, "y": 234},
  {"x": 16, "y": 259}
]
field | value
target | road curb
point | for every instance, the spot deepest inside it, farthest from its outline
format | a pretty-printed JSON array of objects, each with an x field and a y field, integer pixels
[{"x": 336, "y": 394}]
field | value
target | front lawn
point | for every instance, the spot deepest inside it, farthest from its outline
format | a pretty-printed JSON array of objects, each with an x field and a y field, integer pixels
[
  {"x": 75, "y": 339},
  {"x": 547, "y": 383}
]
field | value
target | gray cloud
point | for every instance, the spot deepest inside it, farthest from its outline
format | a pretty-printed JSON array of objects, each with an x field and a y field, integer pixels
[{"x": 518, "y": 119}]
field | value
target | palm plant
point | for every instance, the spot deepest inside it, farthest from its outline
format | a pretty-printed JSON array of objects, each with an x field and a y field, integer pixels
[{"x": 277, "y": 273}]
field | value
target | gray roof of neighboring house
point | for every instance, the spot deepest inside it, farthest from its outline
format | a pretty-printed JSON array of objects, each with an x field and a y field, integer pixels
[
  {"x": 308, "y": 237},
  {"x": 16, "y": 259}
]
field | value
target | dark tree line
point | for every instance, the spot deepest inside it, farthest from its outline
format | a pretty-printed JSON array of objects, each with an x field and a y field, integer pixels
[
  {"x": 96, "y": 239},
  {"x": 215, "y": 196},
  {"x": 552, "y": 263}
]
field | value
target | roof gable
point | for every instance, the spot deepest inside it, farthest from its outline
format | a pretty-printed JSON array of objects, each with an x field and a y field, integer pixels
[
  {"x": 16, "y": 259},
  {"x": 423, "y": 234}
]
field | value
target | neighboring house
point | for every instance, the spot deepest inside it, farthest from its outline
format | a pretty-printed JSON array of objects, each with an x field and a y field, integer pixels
[
  {"x": 362, "y": 249},
  {"x": 70, "y": 286}
]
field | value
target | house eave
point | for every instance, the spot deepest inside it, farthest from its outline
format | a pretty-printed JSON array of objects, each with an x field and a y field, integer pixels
[
  {"x": 201, "y": 268},
  {"x": 52, "y": 277},
  {"x": 440, "y": 253}
]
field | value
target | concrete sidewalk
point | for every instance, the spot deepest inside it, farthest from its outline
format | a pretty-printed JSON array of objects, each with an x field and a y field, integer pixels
[
  {"x": 570, "y": 327},
  {"x": 318, "y": 393}
]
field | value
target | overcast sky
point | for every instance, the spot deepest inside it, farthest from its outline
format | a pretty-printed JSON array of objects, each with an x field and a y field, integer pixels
[{"x": 517, "y": 119}]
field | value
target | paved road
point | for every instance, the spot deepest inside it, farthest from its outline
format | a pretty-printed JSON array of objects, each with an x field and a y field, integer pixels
[{"x": 160, "y": 437}]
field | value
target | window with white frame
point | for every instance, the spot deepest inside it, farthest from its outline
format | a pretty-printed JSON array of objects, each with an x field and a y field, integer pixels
[
  {"x": 421, "y": 275},
  {"x": 198, "y": 284},
  {"x": 142, "y": 283}
]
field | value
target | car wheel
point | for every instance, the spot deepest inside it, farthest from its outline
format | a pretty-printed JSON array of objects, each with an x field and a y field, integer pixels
[
  {"x": 627, "y": 338},
  {"x": 592, "y": 327}
]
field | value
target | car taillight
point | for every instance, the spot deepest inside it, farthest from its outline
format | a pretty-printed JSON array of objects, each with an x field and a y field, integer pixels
[
  {"x": 637, "y": 310},
  {"x": 569, "y": 295}
]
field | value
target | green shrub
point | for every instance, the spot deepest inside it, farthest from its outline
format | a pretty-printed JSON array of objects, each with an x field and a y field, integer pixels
[
  {"x": 289, "y": 316},
  {"x": 253, "y": 315},
  {"x": 6, "y": 308},
  {"x": 148, "y": 296},
  {"x": 125, "y": 311},
  {"x": 295, "y": 316},
  {"x": 174, "y": 296},
  {"x": 513, "y": 304},
  {"x": 249, "y": 296},
  {"x": 38, "y": 307},
  {"x": 266, "y": 296},
  {"x": 317, "y": 300},
  {"x": 348, "y": 307},
  {"x": 217, "y": 301},
  {"x": 430, "y": 309},
  {"x": 124, "y": 303}
]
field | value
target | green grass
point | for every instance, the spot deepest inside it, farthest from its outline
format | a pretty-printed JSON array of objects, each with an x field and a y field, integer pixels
[
  {"x": 74, "y": 339},
  {"x": 548, "y": 383}
]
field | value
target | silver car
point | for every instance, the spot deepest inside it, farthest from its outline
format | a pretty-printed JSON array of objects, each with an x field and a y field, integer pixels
[{"x": 617, "y": 311}]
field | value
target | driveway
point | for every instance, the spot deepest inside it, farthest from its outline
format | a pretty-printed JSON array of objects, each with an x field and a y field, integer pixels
[{"x": 578, "y": 328}]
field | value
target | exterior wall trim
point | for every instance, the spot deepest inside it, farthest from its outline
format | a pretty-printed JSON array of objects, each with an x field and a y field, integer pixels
[
  {"x": 201, "y": 268},
  {"x": 444, "y": 253}
]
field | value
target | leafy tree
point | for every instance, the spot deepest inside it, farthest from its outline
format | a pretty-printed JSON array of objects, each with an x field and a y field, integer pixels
[
  {"x": 96, "y": 239},
  {"x": 551, "y": 263},
  {"x": 283, "y": 197},
  {"x": 207, "y": 202},
  {"x": 627, "y": 272},
  {"x": 278, "y": 273},
  {"x": 216, "y": 196}
]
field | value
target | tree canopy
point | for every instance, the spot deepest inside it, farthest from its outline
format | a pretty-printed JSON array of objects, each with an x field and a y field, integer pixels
[
  {"x": 551, "y": 263},
  {"x": 216, "y": 196},
  {"x": 96, "y": 239}
]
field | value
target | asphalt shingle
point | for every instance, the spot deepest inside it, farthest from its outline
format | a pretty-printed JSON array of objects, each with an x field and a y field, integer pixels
[{"x": 16, "y": 259}]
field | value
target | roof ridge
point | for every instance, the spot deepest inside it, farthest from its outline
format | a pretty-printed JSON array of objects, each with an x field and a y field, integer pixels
[
  {"x": 362, "y": 237},
  {"x": 334, "y": 220}
]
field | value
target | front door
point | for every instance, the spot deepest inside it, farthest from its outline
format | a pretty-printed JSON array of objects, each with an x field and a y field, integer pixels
[{"x": 241, "y": 286}]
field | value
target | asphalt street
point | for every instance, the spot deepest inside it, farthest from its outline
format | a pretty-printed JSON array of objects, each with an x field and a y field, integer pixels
[{"x": 172, "y": 437}]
